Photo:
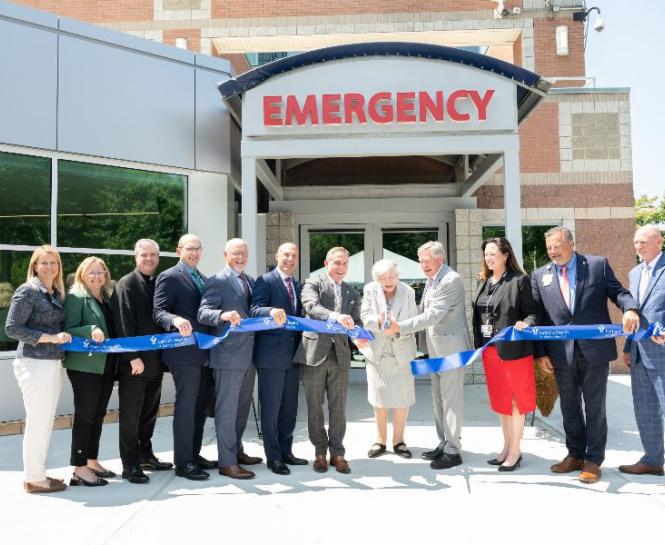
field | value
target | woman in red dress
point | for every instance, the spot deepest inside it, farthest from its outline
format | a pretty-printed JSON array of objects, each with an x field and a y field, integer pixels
[{"x": 504, "y": 299}]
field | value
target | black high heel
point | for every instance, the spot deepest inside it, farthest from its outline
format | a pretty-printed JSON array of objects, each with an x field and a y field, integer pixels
[
  {"x": 495, "y": 462},
  {"x": 80, "y": 481},
  {"x": 106, "y": 474},
  {"x": 512, "y": 467}
]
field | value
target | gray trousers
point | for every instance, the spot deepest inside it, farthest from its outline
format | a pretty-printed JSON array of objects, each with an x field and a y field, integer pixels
[
  {"x": 332, "y": 379},
  {"x": 448, "y": 398},
  {"x": 233, "y": 399}
]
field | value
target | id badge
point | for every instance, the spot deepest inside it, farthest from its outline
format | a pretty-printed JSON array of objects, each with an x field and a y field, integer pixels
[{"x": 486, "y": 330}]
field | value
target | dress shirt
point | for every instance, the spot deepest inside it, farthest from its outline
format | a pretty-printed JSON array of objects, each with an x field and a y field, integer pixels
[
  {"x": 645, "y": 277},
  {"x": 572, "y": 278}
]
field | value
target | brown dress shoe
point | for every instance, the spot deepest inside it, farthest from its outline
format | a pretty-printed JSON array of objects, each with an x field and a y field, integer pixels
[
  {"x": 642, "y": 469},
  {"x": 567, "y": 465},
  {"x": 320, "y": 463},
  {"x": 341, "y": 465},
  {"x": 590, "y": 473},
  {"x": 53, "y": 486},
  {"x": 236, "y": 472},
  {"x": 247, "y": 460}
]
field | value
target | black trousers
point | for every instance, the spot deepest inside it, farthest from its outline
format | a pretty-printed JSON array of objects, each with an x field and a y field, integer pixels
[
  {"x": 582, "y": 395},
  {"x": 91, "y": 398},
  {"x": 193, "y": 388},
  {"x": 139, "y": 404}
]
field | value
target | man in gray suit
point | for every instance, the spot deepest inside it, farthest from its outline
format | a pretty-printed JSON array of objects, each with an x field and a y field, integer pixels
[
  {"x": 226, "y": 300},
  {"x": 646, "y": 358},
  {"x": 327, "y": 358},
  {"x": 443, "y": 317}
]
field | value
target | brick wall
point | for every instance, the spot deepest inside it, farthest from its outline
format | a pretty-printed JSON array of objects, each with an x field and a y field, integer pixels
[
  {"x": 193, "y": 36},
  {"x": 539, "y": 140},
  {"x": 107, "y": 11},
  {"x": 548, "y": 63}
]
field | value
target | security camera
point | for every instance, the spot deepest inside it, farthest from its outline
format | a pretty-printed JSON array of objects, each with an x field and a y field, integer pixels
[{"x": 599, "y": 24}]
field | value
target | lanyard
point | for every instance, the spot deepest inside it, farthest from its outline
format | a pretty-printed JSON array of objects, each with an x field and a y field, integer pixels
[{"x": 491, "y": 290}]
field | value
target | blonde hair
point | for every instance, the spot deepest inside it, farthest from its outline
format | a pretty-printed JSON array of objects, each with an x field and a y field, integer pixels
[
  {"x": 36, "y": 256},
  {"x": 337, "y": 249},
  {"x": 79, "y": 287}
]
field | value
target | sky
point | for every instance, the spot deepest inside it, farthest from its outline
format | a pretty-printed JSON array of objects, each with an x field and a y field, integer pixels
[{"x": 630, "y": 52}]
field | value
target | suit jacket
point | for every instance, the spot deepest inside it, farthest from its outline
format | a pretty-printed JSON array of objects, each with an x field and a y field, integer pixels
[
  {"x": 222, "y": 293},
  {"x": 176, "y": 295},
  {"x": 595, "y": 284},
  {"x": 444, "y": 319},
  {"x": 131, "y": 303},
  {"x": 274, "y": 349},
  {"x": 403, "y": 307},
  {"x": 82, "y": 315},
  {"x": 652, "y": 309},
  {"x": 512, "y": 302},
  {"x": 318, "y": 301}
]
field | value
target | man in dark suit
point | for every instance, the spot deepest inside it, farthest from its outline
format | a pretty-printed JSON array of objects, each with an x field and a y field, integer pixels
[
  {"x": 574, "y": 290},
  {"x": 646, "y": 358},
  {"x": 226, "y": 300},
  {"x": 327, "y": 358},
  {"x": 177, "y": 298},
  {"x": 139, "y": 373},
  {"x": 277, "y": 294}
]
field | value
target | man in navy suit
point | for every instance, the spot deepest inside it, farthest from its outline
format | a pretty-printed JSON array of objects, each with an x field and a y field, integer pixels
[
  {"x": 574, "y": 290},
  {"x": 646, "y": 358},
  {"x": 277, "y": 294},
  {"x": 177, "y": 298},
  {"x": 226, "y": 300}
]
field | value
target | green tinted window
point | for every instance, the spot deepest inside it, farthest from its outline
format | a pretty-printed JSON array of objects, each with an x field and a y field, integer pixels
[
  {"x": 25, "y": 186},
  {"x": 101, "y": 206}
]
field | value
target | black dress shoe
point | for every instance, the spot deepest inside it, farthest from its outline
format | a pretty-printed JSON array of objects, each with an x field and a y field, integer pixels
[
  {"x": 245, "y": 459},
  {"x": 135, "y": 475},
  {"x": 446, "y": 461},
  {"x": 293, "y": 461},
  {"x": 279, "y": 467},
  {"x": 205, "y": 464},
  {"x": 152, "y": 463},
  {"x": 432, "y": 454},
  {"x": 512, "y": 467},
  {"x": 80, "y": 481},
  {"x": 106, "y": 474},
  {"x": 495, "y": 462},
  {"x": 192, "y": 472}
]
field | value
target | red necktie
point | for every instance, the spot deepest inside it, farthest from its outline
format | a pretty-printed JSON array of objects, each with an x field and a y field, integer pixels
[
  {"x": 565, "y": 285},
  {"x": 245, "y": 287}
]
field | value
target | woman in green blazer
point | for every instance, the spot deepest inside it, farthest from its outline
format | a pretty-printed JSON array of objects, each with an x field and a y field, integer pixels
[{"x": 88, "y": 315}]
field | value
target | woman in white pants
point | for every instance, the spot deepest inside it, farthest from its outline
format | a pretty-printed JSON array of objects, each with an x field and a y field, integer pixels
[{"x": 36, "y": 319}]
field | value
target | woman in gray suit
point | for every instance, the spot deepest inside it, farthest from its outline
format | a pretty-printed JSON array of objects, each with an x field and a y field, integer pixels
[{"x": 389, "y": 380}]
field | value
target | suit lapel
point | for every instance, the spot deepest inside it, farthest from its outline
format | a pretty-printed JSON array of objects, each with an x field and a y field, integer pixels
[
  {"x": 553, "y": 290},
  {"x": 655, "y": 276},
  {"x": 228, "y": 273},
  {"x": 501, "y": 291},
  {"x": 580, "y": 279},
  {"x": 188, "y": 277},
  {"x": 99, "y": 314}
]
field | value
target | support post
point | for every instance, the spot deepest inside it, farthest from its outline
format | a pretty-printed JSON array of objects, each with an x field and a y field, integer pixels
[
  {"x": 511, "y": 197},
  {"x": 249, "y": 216}
]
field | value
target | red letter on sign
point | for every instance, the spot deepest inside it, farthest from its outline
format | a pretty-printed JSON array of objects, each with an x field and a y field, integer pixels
[
  {"x": 272, "y": 112},
  {"x": 386, "y": 114},
  {"x": 405, "y": 107},
  {"x": 308, "y": 111},
  {"x": 435, "y": 109},
  {"x": 481, "y": 103},
  {"x": 354, "y": 103},
  {"x": 452, "y": 108},
  {"x": 331, "y": 109}
]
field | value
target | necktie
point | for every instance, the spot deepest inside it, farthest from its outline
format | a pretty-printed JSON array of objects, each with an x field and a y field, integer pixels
[
  {"x": 292, "y": 293},
  {"x": 565, "y": 285},
  {"x": 245, "y": 287},
  {"x": 426, "y": 292},
  {"x": 644, "y": 282},
  {"x": 197, "y": 279},
  {"x": 338, "y": 298}
]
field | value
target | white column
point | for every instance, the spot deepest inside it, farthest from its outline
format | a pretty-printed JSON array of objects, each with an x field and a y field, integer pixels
[
  {"x": 249, "y": 207},
  {"x": 511, "y": 197}
]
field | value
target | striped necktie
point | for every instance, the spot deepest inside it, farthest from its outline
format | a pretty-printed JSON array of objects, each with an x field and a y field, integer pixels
[{"x": 197, "y": 279}]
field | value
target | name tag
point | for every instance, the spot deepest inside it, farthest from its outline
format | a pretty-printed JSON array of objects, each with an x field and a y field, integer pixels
[
  {"x": 547, "y": 279},
  {"x": 487, "y": 330}
]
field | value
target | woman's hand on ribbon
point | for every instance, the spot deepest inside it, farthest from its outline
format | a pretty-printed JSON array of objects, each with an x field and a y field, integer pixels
[
  {"x": 279, "y": 315},
  {"x": 346, "y": 321},
  {"x": 97, "y": 335},
  {"x": 59, "y": 338},
  {"x": 230, "y": 316},
  {"x": 521, "y": 325}
]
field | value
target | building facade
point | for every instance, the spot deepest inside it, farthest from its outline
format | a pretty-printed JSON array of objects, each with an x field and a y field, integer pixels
[{"x": 91, "y": 104}]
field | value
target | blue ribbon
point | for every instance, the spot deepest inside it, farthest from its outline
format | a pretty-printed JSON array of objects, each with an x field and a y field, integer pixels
[
  {"x": 164, "y": 341},
  {"x": 536, "y": 333}
]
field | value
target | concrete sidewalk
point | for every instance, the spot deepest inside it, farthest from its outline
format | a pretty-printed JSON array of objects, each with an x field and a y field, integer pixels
[{"x": 385, "y": 500}]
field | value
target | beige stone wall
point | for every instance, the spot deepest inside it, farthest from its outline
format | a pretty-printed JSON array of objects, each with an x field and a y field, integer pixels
[{"x": 280, "y": 228}]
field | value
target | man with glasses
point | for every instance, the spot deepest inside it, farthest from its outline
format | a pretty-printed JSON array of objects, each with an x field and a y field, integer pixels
[
  {"x": 178, "y": 293},
  {"x": 226, "y": 301}
]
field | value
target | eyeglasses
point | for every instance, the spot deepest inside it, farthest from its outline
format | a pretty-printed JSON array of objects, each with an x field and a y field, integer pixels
[
  {"x": 192, "y": 249},
  {"x": 96, "y": 273},
  {"x": 238, "y": 254}
]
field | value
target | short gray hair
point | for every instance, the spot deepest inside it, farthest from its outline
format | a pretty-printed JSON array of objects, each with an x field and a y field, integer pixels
[
  {"x": 234, "y": 242},
  {"x": 434, "y": 247},
  {"x": 145, "y": 242},
  {"x": 383, "y": 266},
  {"x": 567, "y": 233},
  {"x": 652, "y": 227}
]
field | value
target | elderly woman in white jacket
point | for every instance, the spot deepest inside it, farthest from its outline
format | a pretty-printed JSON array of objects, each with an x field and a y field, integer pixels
[{"x": 389, "y": 380}]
